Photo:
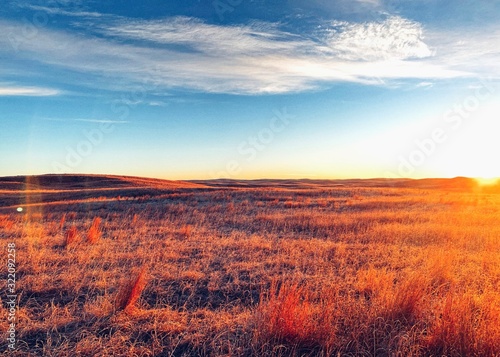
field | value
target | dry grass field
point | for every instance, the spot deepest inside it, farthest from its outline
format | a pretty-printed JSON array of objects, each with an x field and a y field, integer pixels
[{"x": 120, "y": 266}]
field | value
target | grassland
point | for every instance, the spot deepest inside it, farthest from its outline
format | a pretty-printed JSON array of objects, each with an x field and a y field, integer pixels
[{"x": 115, "y": 266}]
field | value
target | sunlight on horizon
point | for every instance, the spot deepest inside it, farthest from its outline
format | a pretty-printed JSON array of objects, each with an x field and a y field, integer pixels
[{"x": 485, "y": 181}]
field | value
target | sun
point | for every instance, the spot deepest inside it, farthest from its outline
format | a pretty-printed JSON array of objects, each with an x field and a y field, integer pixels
[{"x": 487, "y": 181}]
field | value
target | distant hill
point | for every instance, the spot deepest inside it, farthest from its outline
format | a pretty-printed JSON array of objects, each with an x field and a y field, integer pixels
[
  {"x": 37, "y": 191},
  {"x": 87, "y": 182},
  {"x": 96, "y": 182},
  {"x": 457, "y": 183}
]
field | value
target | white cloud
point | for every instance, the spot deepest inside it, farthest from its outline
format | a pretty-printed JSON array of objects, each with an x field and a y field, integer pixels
[
  {"x": 27, "y": 91},
  {"x": 424, "y": 85},
  {"x": 181, "y": 52},
  {"x": 394, "y": 38},
  {"x": 260, "y": 58},
  {"x": 475, "y": 51},
  {"x": 56, "y": 10},
  {"x": 370, "y": 2}
]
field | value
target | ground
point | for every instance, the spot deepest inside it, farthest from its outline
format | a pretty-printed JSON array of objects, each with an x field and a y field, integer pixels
[{"x": 124, "y": 266}]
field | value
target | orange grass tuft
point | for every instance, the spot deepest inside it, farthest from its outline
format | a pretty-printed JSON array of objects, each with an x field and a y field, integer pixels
[
  {"x": 186, "y": 231},
  {"x": 62, "y": 221},
  {"x": 131, "y": 291},
  {"x": 468, "y": 325},
  {"x": 293, "y": 315},
  {"x": 6, "y": 224},
  {"x": 71, "y": 237},
  {"x": 94, "y": 233},
  {"x": 403, "y": 304}
]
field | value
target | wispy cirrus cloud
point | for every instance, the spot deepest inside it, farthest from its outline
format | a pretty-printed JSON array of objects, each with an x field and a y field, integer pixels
[
  {"x": 475, "y": 51},
  {"x": 395, "y": 38},
  {"x": 88, "y": 120},
  {"x": 14, "y": 91},
  {"x": 102, "y": 121},
  {"x": 363, "y": 53},
  {"x": 254, "y": 58},
  {"x": 58, "y": 10}
]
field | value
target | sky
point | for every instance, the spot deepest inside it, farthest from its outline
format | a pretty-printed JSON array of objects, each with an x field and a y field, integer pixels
[{"x": 245, "y": 89}]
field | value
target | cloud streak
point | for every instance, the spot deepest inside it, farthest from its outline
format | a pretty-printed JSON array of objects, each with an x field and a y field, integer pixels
[
  {"x": 256, "y": 58},
  {"x": 89, "y": 120},
  {"x": 8, "y": 91},
  {"x": 102, "y": 121},
  {"x": 60, "y": 11}
]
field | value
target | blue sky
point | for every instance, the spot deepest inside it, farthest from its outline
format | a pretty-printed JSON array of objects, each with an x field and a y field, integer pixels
[{"x": 250, "y": 89}]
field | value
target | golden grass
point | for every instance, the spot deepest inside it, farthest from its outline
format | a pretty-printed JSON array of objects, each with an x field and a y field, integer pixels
[
  {"x": 468, "y": 325},
  {"x": 343, "y": 271}
]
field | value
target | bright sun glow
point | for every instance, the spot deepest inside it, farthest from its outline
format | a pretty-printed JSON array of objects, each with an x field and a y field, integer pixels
[
  {"x": 468, "y": 148},
  {"x": 487, "y": 181}
]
